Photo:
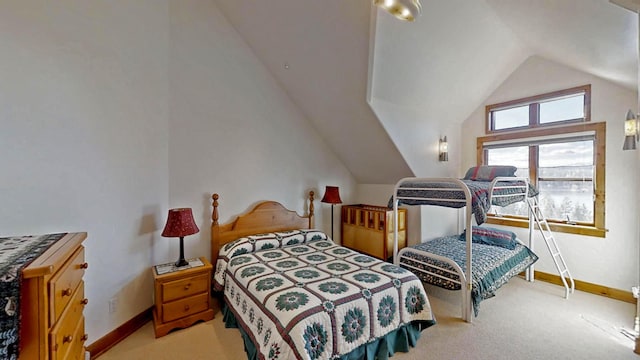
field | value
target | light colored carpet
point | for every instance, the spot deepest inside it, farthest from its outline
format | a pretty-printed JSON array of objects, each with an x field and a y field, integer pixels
[{"x": 524, "y": 321}]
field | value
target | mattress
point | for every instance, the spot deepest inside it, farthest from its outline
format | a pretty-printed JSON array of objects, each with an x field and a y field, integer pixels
[
  {"x": 298, "y": 295},
  {"x": 492, "y": 266}
]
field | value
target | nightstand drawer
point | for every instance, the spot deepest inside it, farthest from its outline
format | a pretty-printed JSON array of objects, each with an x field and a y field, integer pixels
[
  {"x": 185, "y": 307},
  {"x": 61, "y": 287},
  {"x": 178, "y": 289}
]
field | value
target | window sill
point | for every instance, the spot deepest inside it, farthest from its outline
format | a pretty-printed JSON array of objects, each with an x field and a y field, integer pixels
[{"x": 563, "y": 228}]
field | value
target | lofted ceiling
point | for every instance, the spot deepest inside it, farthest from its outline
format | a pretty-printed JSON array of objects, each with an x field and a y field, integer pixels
[{"x": 375, "y": 88}]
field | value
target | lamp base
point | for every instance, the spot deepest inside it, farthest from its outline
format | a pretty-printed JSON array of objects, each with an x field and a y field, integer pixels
[{"x": 181, "y": 261}]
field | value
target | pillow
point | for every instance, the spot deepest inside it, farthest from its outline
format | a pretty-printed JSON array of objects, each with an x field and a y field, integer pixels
[
  {"x": 488, "y": 173},
  {"x": 252, "y": 243},
  {"x": 492, "y": 236}
]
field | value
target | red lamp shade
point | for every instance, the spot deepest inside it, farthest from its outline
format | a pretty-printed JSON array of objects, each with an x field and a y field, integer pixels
[
  {"x": 331, "y": 195},
  {"x": 180, "y": 223}
]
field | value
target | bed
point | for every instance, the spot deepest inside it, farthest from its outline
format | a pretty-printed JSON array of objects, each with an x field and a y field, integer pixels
[
  {"x": 445, "y": 261},
  {"x": 294, "y": 294},
  {"x": 492, "y": 265}
]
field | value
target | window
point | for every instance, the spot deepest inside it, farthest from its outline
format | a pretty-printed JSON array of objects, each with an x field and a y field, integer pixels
[
  {"x": 564, "y": 176},
  {"x": 565, "y": 162},
  {"x": 560, "y": 107}
]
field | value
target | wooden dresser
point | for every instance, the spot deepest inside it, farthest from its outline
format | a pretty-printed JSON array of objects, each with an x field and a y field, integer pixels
[
  {"x": 53, "y": 301},
  {"x": 369, "y": 229},
  {"x": 182, "y": 298}
]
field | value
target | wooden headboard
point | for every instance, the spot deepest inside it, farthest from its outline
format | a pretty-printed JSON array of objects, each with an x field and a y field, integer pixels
[{"x": 265, "y": 217}]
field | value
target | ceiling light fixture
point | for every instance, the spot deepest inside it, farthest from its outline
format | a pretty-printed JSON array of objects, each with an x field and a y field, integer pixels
[{"x": 407, "y": 10}]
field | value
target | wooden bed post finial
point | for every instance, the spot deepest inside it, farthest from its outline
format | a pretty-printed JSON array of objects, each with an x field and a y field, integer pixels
[
  {"x": 215, "y": 233},
  {"x": 214, "y": 214}
]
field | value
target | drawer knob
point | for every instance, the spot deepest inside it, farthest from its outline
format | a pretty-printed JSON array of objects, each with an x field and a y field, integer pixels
[
  {"x": 186, "y": 287},
  {"x": 186, "y": 308},
  {"x": 66, "y": 339},
  {"x": 84, "y": 265},
  {"x": 84, "y": 337},
  {"x": 67, "y": 292},
  {"x": 84, "y": 301}
]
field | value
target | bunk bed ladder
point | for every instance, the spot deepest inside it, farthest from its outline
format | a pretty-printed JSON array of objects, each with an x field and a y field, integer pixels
[{"x": 552, "y": 245}]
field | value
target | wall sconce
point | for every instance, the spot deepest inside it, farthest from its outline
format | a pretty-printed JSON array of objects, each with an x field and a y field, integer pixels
[
  {"x": 407, "y": 10},
  {"x": 443, "y": 150},
  {"x": 631, "y": 131}
]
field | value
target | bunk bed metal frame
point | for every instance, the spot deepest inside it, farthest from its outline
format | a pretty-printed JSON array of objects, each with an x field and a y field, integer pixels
[{"x": 500, "y": 187}]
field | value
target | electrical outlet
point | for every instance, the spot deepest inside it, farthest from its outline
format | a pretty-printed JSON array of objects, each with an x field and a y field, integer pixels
[{"x": 113, "y": 305}]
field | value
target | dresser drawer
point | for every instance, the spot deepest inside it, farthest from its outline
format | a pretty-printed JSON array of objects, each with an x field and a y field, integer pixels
[
  {"x": 185, "y": 307},
  {"x": 41, "y": 326},
  {"x": 178, "y": 289},
  {"x": 62, "y": 285},
  {"x": 64, "y": 335},
  {"x": 76, "y": 351}
]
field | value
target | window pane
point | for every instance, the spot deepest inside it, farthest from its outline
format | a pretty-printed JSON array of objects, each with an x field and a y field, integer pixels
[
  {"x": 510, "y": 118},
  {"x": 561, "y": 200},
  {"x": 517, "y": 209},
  {"x": 517, "y": 156},
  {"x": 567, "y": 200},
  {"x": 566, "y": 160},
  {"x": 562, "y": 109}
]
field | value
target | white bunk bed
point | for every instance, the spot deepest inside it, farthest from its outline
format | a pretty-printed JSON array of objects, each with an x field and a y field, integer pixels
[{"x": 476, "y": 197}]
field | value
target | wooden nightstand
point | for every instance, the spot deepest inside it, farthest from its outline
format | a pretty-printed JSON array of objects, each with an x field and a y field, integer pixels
[{"x": 182, "y": 297}]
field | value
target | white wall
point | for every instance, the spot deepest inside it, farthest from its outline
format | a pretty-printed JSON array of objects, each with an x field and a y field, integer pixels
[
  {"x": 234, "y": 131},
  {"x": 418, "y": 138},
  {"x": 112, "y": 112},
  {"x": 419, "y": 76},
  {"x": 611, "y": 261},
  {"x": 83, "y": 132}
]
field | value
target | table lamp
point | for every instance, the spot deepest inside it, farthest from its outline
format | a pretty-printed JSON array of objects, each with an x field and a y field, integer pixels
[{"x": 180, "y": 224}]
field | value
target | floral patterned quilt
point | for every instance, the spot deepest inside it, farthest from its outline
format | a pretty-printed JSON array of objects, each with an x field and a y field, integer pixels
[{"x": 298, "y": 295}]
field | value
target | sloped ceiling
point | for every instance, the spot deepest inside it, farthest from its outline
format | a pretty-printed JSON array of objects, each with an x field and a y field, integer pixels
[
  {"x": 318, "y": 51},
  {"x": 440, "y": 71},
  {"x": 378, "y": 89},
  {"x": 595, "y": 36}
]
